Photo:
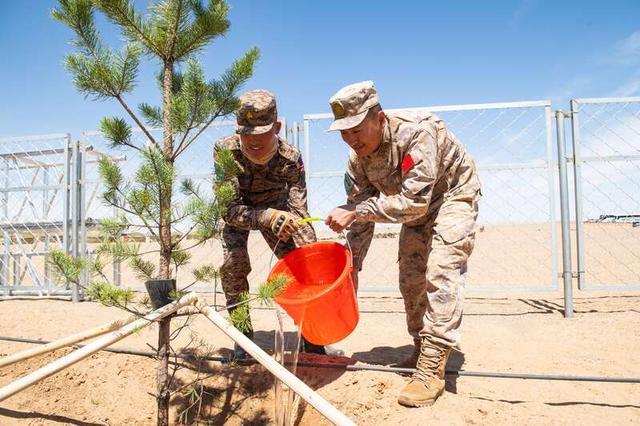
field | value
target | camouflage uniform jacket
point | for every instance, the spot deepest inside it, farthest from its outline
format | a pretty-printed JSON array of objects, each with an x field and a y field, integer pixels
[
  {"x": 418, "y": 166},
  {"x": 279, "y": 184}
]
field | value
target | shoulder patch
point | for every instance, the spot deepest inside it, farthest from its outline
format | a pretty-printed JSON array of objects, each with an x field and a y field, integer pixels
[{"x": 407, "y": 163}]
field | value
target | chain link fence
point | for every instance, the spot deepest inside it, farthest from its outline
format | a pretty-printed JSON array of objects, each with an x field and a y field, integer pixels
[
  {"x": 516, "y": 247},
  {"x": 50, "y": 197},
  {"x": 606, "y": 158}
]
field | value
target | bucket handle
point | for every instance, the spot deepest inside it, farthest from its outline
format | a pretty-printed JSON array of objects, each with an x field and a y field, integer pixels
[{"x": 303, "y": 222}]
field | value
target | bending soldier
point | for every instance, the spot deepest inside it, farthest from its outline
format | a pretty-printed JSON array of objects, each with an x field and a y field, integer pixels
[
  {"x": 431, "y": 187},
  {"x": 270, "y": 196}
]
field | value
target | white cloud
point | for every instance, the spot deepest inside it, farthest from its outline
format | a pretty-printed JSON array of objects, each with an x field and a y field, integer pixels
[
  {"x": 620, "y": 58},
  {"x": 625, "y": 51},
  {"x": 571, "y": 89},
  {"x": 630, "y": 87}
]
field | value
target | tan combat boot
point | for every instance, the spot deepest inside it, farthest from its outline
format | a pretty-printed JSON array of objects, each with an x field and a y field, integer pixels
[
  {"x": 427, "y": 383},
  {"x": 411, "y": 360}
]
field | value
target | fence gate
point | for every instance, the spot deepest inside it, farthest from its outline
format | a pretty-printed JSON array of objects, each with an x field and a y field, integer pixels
[
  {"x": 35, "y": 211},
  {"x": 516, "y": 249},
  {"x": 606, "y": 158}
]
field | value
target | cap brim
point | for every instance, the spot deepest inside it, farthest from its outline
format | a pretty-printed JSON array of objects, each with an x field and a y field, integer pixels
[
  {"x": 253, "y": 130},
  {"x": 347, "y": 122}
]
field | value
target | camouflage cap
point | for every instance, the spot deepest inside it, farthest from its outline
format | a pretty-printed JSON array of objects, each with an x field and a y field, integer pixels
[
  {"x": 351, "y": 104},
  {"x": 257, "y": 112}
]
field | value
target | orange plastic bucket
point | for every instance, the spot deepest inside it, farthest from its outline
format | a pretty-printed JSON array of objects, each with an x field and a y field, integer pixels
[{"x": 320, "y": 294}]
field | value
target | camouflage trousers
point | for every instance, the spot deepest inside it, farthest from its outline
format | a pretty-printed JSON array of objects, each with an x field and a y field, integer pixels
[
  {"x": 236, "y": 264},
  {"x": 433, "y": 265}
]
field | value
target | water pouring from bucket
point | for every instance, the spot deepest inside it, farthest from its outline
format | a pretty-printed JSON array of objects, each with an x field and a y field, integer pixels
[{"x": 320, "y": 295}]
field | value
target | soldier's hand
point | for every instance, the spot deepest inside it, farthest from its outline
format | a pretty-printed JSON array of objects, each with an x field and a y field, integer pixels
[
  {"x": 341, "y": 217},
  {"x": 283, "y": 224}
]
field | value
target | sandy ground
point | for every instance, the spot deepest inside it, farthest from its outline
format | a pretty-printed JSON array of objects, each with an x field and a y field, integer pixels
[{"x": 508, "y": 334}]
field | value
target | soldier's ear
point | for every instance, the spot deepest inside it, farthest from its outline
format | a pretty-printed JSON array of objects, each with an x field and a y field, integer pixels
[
  {"x": 277, "y": 126},
  {"x": 381, "y": 117}
]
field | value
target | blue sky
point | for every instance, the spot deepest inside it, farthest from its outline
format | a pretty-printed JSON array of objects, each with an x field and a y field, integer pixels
[{"x": 418, "y": 53}]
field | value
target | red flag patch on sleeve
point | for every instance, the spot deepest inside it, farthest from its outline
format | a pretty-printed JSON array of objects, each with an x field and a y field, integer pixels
[{"x": 407, "y": 163}]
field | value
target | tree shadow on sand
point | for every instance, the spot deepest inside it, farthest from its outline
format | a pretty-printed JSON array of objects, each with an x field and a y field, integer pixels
[
  {"x": 233, "y": 386},
  {"x": 558, "y": 404},
  {"x": 15, "y": 414}
]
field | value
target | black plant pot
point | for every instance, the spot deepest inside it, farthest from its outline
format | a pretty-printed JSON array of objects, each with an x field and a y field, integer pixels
[{"x": 160, "y": 291}]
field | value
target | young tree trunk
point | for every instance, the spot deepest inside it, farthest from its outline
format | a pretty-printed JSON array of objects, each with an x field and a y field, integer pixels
[{"x": 163, "y": 396}]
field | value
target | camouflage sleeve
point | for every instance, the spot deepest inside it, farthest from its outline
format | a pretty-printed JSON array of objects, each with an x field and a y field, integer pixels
[
  {"x": 297, "y": 197},
  {"x": 237, "y": 213},
  {"x": 297, "y": 201},
  {"x": 419, "y": 172},
  {"x": 359, "y": 189}
]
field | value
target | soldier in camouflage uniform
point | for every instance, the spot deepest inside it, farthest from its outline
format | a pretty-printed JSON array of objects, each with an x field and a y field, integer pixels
[
  {"x": 270, "y": 195},
  {"x": 430, "y": 185}
]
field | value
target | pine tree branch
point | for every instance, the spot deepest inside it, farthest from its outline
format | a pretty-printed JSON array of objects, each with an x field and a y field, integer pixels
[
  {"x": 138, "y": 122},
  {"x": 148, "y": 252},
  {"x": 193, "y": 192},
  {"x": 157, "y": 175},
  {"x": 119, "y": 206},
  {"x": 200, "y": 131},
  {"x": 197, "y": 100},
  {"x": 96, "y": 57},
  {"x": 174, "y": 32},
  {"x": 91, "y": 48},
  {"x": 185, "y": 235},
  {"x": 188, "y": 286},
  {"x": 208, "y": 23},
  {"x": 126, "y": 210},
  {"x": 146, "y": 223},
  {"x": 180, "y": 218},
  {"x": 234, "y": 77},
  {"x": 117, "y": 131},
  {"x": 118, "y": 14},
  {"x": 190, "y": 247},
  {"x": 102, "y": 275},
  {"x": 189, "y": 128},
  {"x": 226, "y": 308}
]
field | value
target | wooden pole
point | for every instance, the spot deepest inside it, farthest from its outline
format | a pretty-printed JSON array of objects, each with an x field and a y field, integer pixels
[
  {"x": 65, "y": 341},
  {"x": 107, "y": 340},
  {"x": 330, "y": 412}
]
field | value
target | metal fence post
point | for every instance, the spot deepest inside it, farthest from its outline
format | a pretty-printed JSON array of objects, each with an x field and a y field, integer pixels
[
  {"x": 45, "y": 215},
  {"x": 67, "y": 194},
  {"x": 283, "y": 129},
  {"x": 294, "y": 135},
  {"x": 307, "y": 155},
  {"x": 82, "y": 211},
  {"x": 564, "y": 216},
  {"x": 577, "y": 185},
  {"x": 75, "y": 210},
  {"x": 553, "y": 192},
  {"x": 6, "y": 260},
  {"x": 7, "y": 240},
  {"x": 16, "y": 270}
]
